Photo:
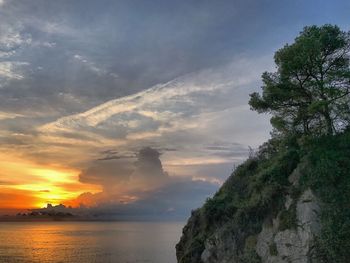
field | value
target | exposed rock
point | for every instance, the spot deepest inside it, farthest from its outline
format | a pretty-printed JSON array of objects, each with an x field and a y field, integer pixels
[
  {"x": 219, "y": 248},
  {"x": 292, "y": 245},
  {"x": 288, "y": 202}
]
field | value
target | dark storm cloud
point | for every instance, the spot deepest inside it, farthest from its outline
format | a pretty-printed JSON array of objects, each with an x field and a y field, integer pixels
[
  {"x": 143, "y": 170},
  {"x": 111, "y": 154},
  {"x": 114, "y": 157},
  {"x": 148, "y": 163}
]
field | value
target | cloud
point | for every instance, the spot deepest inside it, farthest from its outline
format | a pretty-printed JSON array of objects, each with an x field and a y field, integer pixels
[
  {"x": 163, "y": 108},
  {"x": 180, "y": 134},
  {"x": 9, "y": 115},
  {"x": 11, "y": 70},
  {"x": 16, "y": 199},
  {"x": 193, "y": 115},
  {"x": 126, "y": 176},
  {"x": 173, "y": 201},
  {"x": 136, "y": 45},
  {"x": 115, "y": 54},
  {"x": 86, "y": 85},
  {"x": 148, "y": 164},
  {"x": 12, "y": 38},
  {"x": 187, "y": 133},
  {"x": 108, "y": 173},
  {"x": 141, "y": 189},
  {"x": 12, "y": 41},
  {"x": 91, "y": 66}
]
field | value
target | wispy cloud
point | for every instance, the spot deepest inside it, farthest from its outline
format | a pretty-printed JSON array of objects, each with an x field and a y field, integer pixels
[
  {"x": 9, "y": 115},
  {"x": 90, "y": 65},
  {"x": 187, "y": 114},
  {"x": 12, "y": 70},
  {"x": 203, "y": 115},
  {"x": 166, "y": 103},
  {"x": 12, "y": 38}
]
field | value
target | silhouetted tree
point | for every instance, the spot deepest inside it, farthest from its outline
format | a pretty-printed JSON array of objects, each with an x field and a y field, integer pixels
[{"x": 309, "y": 93}]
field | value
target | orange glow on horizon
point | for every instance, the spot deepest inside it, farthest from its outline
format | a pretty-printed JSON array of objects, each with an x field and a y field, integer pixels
[{"x": 26, "y": 185}]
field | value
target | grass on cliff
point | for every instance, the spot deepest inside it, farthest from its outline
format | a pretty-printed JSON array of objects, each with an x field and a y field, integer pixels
[{"x": 257, "y": 189}]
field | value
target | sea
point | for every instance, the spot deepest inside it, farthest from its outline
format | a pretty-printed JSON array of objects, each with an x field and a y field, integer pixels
[{"x": 89, "y": 242}]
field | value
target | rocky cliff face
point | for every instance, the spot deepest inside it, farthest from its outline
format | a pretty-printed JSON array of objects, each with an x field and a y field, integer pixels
[
  {"x": 296, "y": 244},
  {"x": 273, "y": 244}
]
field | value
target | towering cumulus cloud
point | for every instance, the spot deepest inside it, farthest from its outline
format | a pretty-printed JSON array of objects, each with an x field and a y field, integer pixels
[{"x": 139, "y": 187}]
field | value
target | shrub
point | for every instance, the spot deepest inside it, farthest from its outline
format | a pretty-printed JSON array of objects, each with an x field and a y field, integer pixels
[
  {"x": 288, "y": 218},
  {"x": 273, "y": 249}
]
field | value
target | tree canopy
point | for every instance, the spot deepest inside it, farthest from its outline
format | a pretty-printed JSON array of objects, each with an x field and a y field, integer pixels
[{"x": 309, "y": 92}]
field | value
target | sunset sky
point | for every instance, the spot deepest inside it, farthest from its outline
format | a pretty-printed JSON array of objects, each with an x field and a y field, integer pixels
[{"x": 135, "y": 105}]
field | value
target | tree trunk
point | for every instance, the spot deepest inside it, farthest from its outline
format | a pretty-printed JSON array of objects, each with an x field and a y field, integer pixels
[{"x": 328, "y": 119}]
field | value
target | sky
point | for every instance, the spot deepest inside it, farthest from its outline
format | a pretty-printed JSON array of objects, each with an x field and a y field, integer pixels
[{"x": 136, "y": 107}]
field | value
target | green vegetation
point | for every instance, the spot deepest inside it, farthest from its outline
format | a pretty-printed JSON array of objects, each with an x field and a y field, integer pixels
[
  {"x": 249, "y": 253},
  {"x": 328, "y": 174},
  {"x": 309, "y": 93},
  {"x": 309, "y": 100},
  {"x": 273, "y": 249},
  {"x": 288, "y": 218},
  {"x": 257, "y": 190}
]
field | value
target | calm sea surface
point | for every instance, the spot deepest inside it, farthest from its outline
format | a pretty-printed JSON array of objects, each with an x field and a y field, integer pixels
[{"x": 89, "y": 242}]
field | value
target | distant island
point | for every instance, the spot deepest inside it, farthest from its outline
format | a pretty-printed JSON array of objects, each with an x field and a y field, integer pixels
[
  {"x": 49, "y": 213},
  {"x": 81, "y": 213}
]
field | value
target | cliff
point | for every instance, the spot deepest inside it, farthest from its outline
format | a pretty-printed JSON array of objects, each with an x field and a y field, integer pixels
[{"x": 288, "y": 203}]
